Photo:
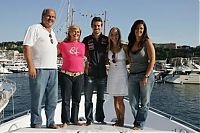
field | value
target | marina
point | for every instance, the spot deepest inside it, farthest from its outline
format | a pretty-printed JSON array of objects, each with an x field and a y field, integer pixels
[{"x": 175, "y": 98}]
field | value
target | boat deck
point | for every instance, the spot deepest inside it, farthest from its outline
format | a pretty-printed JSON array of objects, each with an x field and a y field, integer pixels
[
  {"x": 155, "y": 122},
  {"x": 95, "y": 127},
  {"x": 92, "y": 128}
]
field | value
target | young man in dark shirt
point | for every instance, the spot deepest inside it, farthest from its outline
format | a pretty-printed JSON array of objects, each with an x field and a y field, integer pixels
[{"x": 95, "y": 72}]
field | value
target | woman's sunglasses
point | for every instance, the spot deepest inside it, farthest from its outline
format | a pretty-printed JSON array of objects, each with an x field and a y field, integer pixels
[{"x": 113, "y": 58}]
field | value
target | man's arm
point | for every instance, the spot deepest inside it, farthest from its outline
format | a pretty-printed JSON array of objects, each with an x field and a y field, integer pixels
[
  {"x": 86, "y": 58},
  {"x": 28, "y": 57}
]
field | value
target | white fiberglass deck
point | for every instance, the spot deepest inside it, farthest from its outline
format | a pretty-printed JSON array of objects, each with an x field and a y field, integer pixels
[{"x": 155, "y": 122}]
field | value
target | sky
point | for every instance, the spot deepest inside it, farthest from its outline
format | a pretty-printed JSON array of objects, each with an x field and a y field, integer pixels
[{"x": 168, "y": 21}]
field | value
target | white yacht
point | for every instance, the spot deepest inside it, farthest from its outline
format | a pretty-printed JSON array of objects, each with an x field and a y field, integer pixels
[
  {"x": 3, "y": 62},
  {"x": 184, "y": 75},
  {"x": 156, "y": 122},
  {"x": 17, "y": 66},
  {"x": 3, "y": 70}
]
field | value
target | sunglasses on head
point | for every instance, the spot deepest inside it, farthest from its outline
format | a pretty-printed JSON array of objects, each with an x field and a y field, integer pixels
[
  {"x": 51, "y": 39},
  {"x": 113, "y": 58}
]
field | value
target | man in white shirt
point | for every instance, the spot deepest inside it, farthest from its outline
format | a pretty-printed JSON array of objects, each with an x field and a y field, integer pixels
[{"x": 41, "y": 55}]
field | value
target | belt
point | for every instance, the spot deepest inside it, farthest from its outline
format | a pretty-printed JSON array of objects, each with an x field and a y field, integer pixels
[
  {"x": 137, "y": 72},
  {"x": 72, "y": 74}
]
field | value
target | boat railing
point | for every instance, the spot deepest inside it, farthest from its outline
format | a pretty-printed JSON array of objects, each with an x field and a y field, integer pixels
[
  {"x": 26, "y": 112},
  {"x": 8, "y": 118},
  {"x": 173, "y": 118}
]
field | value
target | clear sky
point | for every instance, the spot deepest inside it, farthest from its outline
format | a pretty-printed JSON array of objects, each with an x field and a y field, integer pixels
[{"x": 168, "y": 21}]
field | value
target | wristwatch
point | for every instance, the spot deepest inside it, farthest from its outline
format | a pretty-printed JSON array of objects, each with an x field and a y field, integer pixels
[{"x": 146, "y": 76}]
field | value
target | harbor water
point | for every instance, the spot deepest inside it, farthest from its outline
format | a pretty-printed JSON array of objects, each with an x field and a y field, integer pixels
[{"x": 179, "y": 100}]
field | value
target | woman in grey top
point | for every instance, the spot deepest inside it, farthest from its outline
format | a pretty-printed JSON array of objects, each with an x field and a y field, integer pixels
[{"x": 141, "y": 78}]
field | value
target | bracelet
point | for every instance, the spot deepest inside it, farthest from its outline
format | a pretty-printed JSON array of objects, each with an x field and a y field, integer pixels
[
  {"x": 146, "y": 76},
  {"x": 85, "y": 59}
]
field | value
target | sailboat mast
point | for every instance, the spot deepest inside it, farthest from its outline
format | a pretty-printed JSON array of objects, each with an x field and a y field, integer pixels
[
  {"x": 104, "y": 28},
  {"x": 68, "y": 14},
  {"x": 72, "y": 16}
]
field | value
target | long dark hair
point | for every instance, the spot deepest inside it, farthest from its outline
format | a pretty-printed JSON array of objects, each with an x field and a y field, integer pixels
[{"x": 132, "y": 37}]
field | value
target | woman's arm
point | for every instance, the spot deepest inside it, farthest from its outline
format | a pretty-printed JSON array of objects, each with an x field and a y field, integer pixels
[
  {"x": 151, "y": 57},
  {"x": 125, "y": 47}
]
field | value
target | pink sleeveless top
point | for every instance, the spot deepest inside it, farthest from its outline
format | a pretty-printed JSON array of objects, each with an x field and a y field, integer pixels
[{"x": 73, "y": 56}]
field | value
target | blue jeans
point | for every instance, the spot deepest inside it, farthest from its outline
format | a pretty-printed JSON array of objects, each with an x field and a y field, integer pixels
[
  {"x": 91, "y": 84},
  {"x": 71, "y": 87},
  {"x": 44, "y": 87},
  {"x": 139, "y": 97}
]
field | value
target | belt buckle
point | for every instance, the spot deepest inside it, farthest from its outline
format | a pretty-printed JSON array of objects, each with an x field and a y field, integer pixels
[{"x": 74, "y": 74}]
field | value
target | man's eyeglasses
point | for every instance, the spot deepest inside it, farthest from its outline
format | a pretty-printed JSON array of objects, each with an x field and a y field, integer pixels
[
  {"x": 51, "y": 39},
  {"x": 113, "y": 58}
]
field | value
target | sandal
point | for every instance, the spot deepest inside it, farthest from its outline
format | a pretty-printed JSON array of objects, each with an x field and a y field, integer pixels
[
  {"x": 64, "y": 125},
  {"x": 136, "y": 128},
  {"x": 118, "y": 123},
  {"x": 53, "y": 126}
]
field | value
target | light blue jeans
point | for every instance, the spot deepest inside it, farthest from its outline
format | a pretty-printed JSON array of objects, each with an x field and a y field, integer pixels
[
  {"x": 139, "y": 97},
  {"x": 44, "y": 88}
]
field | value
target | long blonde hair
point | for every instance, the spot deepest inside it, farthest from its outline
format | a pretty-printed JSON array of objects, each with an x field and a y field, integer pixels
[
  {"x": 72, "y": 27},
  {"x": 110, "y": 41}
]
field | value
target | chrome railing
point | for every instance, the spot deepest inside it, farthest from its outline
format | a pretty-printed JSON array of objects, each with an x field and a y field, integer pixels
[{"x": 173, "y": 118}]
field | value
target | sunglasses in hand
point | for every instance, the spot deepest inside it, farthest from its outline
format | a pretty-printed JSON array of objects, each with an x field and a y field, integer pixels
[{"x": 114, "y": 58}]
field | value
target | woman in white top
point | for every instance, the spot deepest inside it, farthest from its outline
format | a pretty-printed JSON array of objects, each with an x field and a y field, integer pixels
[{"x": 117, "y": 83}]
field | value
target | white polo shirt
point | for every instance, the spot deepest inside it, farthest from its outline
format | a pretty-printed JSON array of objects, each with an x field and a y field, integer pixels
[{"x": 44, "y": 53}]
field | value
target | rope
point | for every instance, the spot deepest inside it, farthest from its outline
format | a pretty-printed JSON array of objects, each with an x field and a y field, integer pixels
[{"x": 10, "y": 128}]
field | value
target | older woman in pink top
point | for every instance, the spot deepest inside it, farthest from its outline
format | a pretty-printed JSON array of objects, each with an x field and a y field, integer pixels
[{"x": 72, "y": 52}]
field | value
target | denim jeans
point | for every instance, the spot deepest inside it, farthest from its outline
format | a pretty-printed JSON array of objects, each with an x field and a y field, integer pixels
[
  {"x": 43, "y": 87},
  {"x": 71, "y": 87},
  {"x": 91, "y": 84},
  {"x": 139, "y": 97}
]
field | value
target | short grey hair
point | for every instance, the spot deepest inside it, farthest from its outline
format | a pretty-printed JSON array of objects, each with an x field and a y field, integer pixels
[{"x": 44, "y": 12}]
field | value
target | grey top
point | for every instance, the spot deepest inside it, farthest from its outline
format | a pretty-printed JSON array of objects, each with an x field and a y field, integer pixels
[{"x": 139, "y": 60}]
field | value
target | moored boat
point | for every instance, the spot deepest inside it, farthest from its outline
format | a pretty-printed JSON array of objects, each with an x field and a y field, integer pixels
[
  {"x": 183, "y": 75},
  {"x": 4, "y": 70}
]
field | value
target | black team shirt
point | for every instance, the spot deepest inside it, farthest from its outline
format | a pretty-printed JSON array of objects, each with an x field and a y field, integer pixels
[{"x": 96, "y": 52}]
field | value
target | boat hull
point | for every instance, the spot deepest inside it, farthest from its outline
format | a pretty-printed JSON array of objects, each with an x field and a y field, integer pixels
[{"x": 183, "y": 79}]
